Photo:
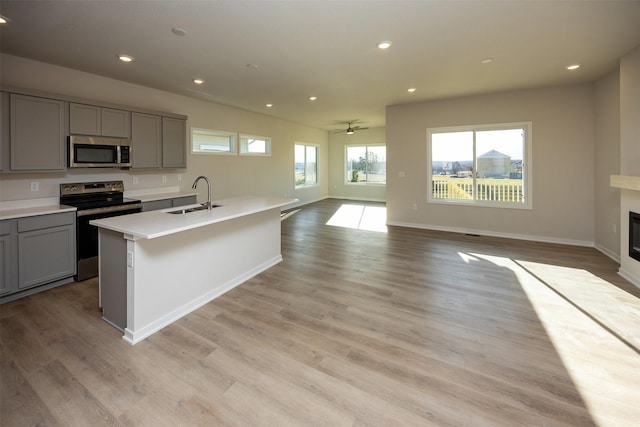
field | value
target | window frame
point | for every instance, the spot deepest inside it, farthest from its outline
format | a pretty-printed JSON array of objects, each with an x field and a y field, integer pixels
[
  {"x": 527, "y": 162},
  {"x": 233, "y": 139},
  {"x": 306, "y": 145},
  {"x": 347, "y": 181},
  {"x": 266, "y": 139}
]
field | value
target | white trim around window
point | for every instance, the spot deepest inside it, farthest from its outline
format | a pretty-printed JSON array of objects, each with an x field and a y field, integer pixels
[
  {"x": 213, "y": 142},
  {"x": 481, "y": 165}
]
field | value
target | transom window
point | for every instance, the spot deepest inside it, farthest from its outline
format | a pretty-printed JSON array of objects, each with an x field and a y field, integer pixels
[
  {"x": 255, "y": 145},
  {"x": 207, "y": 141},
  {"x": 366, "y": 164},
  {"x": 306, "y": 165},
  {"x": 486, "y": 165}
]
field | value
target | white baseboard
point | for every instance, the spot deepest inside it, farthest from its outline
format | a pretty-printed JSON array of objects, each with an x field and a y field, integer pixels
[
  {"x": 134, "y": 337},
  {"x": 359, "y": 199},
  {"x": 630, "y": 277},
  {"x": 543, "y": 239},
  {"x": 607, "y": 252}
]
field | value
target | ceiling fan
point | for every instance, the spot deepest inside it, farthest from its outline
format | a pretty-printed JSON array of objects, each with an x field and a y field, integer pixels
[{"x": 350, "y": 130}]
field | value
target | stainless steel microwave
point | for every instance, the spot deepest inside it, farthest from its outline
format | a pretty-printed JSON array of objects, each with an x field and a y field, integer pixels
[{"x": 99, "y": 152}]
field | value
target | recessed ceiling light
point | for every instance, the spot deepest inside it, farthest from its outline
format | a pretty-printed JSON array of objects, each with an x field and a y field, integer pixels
[
  {"x": 573, "y": 67},
  {"x": 411, "y": 89},
  {"x": 252, "y": 66},
  {"x": 487, "y": 61},
  {"x": 269, "y": 105},
  {"x": 198, "y": 81},
  {"x": 3, "y": 20},
  {"x": 125, "y": 58},
  {"x": 384, "y": 45},
  {"x": 178, "y": 31},
  {"x": 313, "y": 98}
]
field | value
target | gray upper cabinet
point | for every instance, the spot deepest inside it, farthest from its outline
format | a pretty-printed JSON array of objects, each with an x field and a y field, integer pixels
[
  {"x": 116, "y": 123},
  {"x": 100, "y": 121},
  {"x": 146, "y": 136},
  {"x": 5, "y": 134},
  {"x": 38, "y": 133},
  {"x": 174, "y": 154}
]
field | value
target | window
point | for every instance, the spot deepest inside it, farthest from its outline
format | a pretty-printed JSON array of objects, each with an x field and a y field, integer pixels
[
  {"x": 366, "y": 164},
  {"x": 205, "y": 141},
  {"x": 306, "y": 165},
  {"x": 487, "y": 165},
  {"x": 255, "y": 145}
]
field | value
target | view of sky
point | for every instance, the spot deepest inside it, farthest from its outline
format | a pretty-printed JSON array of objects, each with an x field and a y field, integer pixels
[{"x": 458, "y": 146}]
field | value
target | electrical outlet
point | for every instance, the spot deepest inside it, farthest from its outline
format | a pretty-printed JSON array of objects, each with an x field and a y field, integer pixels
[
  {"x": 135, "y": 180},
  {"x": 614, "y": 228},
  {"x": 130, "y": 259},
  {"x": 415, "y": 206},
  {"x": 401, "y": 174},
  {"x": 35, "y": 186},
  {"x": 164, "y": 178},
  {"x": 179, "y": 177}
]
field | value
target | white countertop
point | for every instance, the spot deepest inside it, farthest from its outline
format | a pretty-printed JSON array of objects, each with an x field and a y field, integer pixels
[
  {"x": 26, "y": 211},
  {"x": 153, "y": 224}
]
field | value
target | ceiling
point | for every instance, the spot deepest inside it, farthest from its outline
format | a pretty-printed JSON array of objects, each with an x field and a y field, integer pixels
[{"x": 251, "y": 53}]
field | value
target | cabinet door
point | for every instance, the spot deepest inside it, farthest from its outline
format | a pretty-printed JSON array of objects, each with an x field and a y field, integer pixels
[
  {"x": 85, "y": 119},
  {"x": 5, "y": 135},
  {"x": 37, "y": 133},
  {"x": 174, "y": 147},
  {"x": 186, "y": 200},
  {"x": 46, "y": 255},
  {"x": 146, "y": 137},
  {"x": 116, "y": 123},
  {"x": 156, "y": 204},
  {"x": 8, "y": 253}
]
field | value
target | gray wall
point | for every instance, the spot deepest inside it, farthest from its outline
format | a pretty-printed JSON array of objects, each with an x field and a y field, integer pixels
[
  {"x": 607, "y": 163},
  {"x": 563, "y": 164}
]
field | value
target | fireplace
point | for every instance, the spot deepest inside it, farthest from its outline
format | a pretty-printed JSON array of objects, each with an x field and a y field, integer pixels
[{"x": 634, "y": 235}]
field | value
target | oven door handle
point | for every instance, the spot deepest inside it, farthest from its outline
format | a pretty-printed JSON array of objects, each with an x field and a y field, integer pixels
[{"x": 131, "y": 207}]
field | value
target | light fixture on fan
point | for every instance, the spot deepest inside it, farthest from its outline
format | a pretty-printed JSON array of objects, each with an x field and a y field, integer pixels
[{"x": 349, "y": 130}]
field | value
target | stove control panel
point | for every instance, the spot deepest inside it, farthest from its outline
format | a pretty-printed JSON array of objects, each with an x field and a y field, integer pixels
[{"x": 91, "y": 187}]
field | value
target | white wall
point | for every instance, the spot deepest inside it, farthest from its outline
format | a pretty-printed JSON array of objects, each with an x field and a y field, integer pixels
[
  {"x": 629, "y": 155},
  {"x": 338, "y": 187},
  {"x": 607, "y": 163},
  {"x": 563, "y": 164},
  {"x": 230, "y": 175}
]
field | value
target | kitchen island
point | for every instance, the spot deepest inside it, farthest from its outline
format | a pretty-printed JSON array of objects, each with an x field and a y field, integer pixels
[{"x": 155, "y": 267}]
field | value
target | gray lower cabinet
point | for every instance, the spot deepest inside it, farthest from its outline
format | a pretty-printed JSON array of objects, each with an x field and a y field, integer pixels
[
  {"x": 100, "y": 121},
  {"x": 174, "y": 146},
  {"x": 169, "y": 203},
  {"x": 8, "y": 256},
  {"x": 37, "y": 250},
  {"x": 37, "y": 132}
]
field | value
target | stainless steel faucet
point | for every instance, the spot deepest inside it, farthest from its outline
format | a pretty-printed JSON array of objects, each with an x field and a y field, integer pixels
[{"x": 195, "y": 184}]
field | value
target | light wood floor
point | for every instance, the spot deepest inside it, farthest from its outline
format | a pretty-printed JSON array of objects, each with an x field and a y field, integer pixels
[{"x": 353, "y": 328}]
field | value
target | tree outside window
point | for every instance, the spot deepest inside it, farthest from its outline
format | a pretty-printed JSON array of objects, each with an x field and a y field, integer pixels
[{"x": 366, "y": 164}]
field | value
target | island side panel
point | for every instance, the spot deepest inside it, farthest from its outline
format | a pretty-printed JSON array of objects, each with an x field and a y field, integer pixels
[
  {"x": 112, "y": 275},
  {"x": 175, "y": 274}
]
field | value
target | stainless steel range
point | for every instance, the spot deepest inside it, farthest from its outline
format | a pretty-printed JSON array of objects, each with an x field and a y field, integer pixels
[{"x": 94, "y": 200}]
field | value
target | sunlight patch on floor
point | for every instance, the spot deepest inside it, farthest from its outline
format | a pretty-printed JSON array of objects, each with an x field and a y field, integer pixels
[
  {"x": 360, "y": 217},
  {"x": 582, "y": 313}
]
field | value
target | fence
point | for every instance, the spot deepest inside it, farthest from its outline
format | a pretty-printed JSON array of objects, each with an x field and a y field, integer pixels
[{"x": 496, "y": 190}]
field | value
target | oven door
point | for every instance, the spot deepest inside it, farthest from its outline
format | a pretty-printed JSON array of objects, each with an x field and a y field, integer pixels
[{"x": 87, "y": 236}]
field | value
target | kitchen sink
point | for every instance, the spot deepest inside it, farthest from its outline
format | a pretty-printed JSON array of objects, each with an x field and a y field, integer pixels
[{"x": 193, "y": 209}]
